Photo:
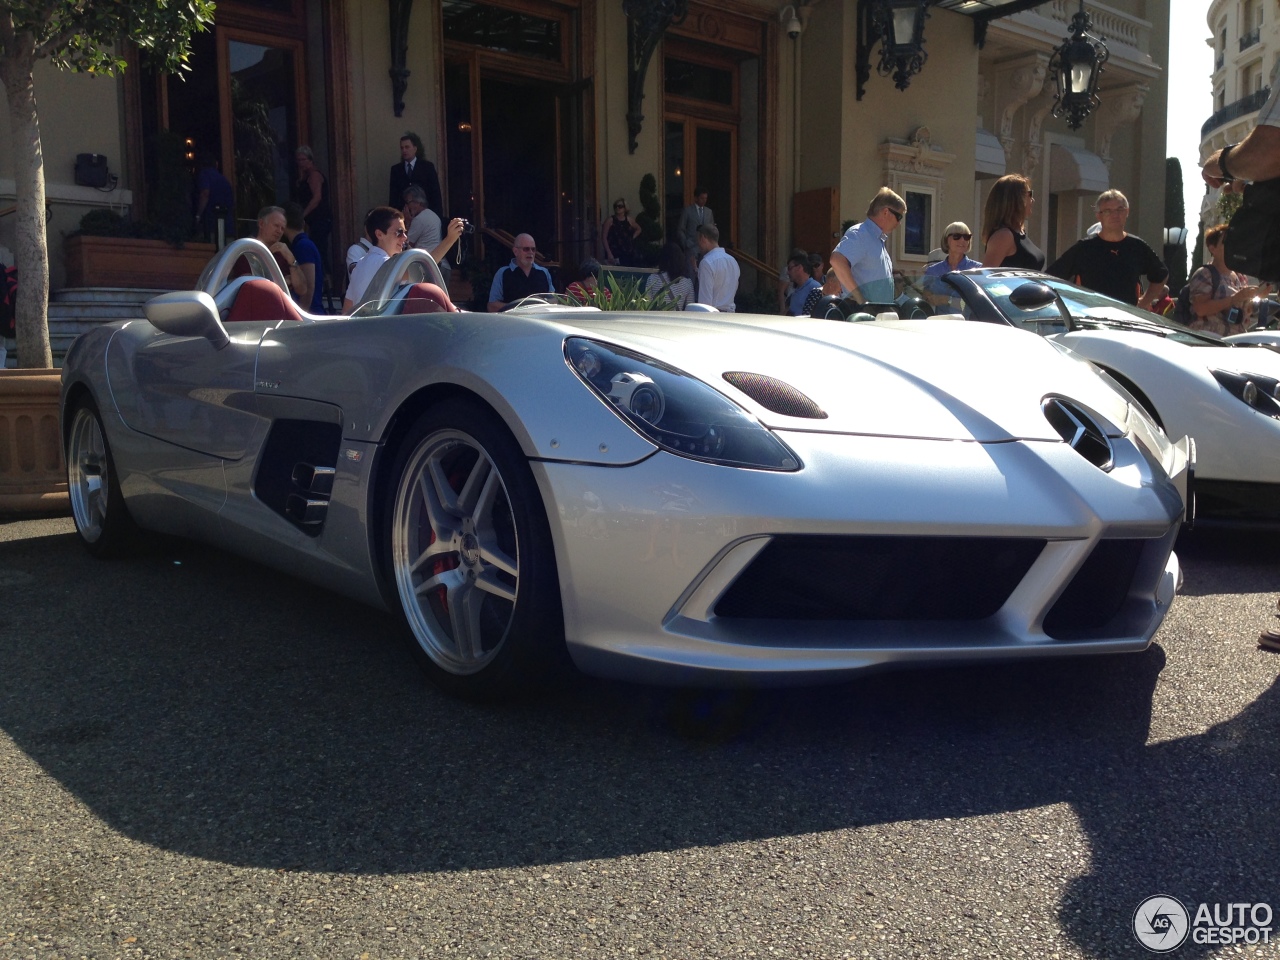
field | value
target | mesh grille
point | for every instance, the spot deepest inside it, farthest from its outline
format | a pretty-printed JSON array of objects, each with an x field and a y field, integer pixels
[
  {"x": 775, "y": 395},
  {"x": 880, "y": 578},
  {"x": 1097, "y": 591}
]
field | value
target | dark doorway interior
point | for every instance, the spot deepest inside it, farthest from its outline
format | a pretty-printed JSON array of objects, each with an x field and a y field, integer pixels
[{"x": 519, "y": 124}]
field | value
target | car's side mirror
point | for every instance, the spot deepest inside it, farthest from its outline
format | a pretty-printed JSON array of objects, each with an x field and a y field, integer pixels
[
  {"x": 188, "y": 313},
  {"x": 1032, "y": 296}
]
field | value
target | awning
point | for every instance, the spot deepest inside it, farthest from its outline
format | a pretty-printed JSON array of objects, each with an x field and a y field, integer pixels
[
  {"x": 988, "y": 155},
  {"x": 1075, "y": 168}
]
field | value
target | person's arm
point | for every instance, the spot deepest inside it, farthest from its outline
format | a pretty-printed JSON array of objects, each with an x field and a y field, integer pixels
[
  {"x": 840, "y": 264},
  {"x": 604, "y": 238},
  {"x": 1000, "y": 246},
  {"x": 1156, "y": 273},
  {"x": 316, "y": 183},
  {"x": 1256, "y": 157},
  {"x": 305, "y": 282},
  {"x": 434, "y": 199},
  {"x": 453, "y": 232},
  {"x": 202, "y": 201},
  {"x": 496, "y": 302},
  {"x": 1203, "y": 303},
  {"x": 635, "y": 227},
  {"x": 1065, "y": 267},
  {"x": 285, "y": 255}
]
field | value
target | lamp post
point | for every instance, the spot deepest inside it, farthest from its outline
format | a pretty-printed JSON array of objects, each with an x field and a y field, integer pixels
[
  {"x": 898, "y": 25},
  {"x": 1076, "y": 66}
]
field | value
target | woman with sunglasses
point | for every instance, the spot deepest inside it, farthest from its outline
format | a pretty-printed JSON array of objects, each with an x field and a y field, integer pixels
[
  {"x": 956, "y": 242},
  {"x": 619, "y": 232},
  {"x": 384, "y": 226},
  {"x": 1004, "y": 220}
]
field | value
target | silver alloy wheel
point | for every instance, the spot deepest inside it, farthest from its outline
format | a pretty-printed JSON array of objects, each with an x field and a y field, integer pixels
[
  {"x": 455, "y": 553},
  {"x": 88, "y": 474}
]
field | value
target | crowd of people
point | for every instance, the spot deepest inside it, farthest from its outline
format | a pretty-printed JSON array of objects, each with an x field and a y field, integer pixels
[{"x": 694, "y": 268}]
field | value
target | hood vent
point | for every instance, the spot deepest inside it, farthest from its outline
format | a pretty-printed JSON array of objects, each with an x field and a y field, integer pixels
[
  {"x": 775, "y": 395},
  {"x": 1080, "y": 430}
]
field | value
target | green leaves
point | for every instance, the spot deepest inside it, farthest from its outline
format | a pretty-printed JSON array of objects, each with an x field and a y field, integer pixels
[
  {"x": 626, "y": 293},
  {"x": 84, "y": 35}
]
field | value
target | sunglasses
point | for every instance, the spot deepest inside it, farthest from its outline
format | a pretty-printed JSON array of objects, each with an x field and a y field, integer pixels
[
  {"x": 619, "y": 206},
  {"x": 896, "y": 215},
  {"x": 528, "y": 249},
  {"x": 960, "y": 236},
  {"x": 402, "y": 232}
]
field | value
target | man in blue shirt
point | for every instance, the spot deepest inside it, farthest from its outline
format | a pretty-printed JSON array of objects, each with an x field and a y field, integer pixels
[
  {"x": 860, "y": 259},
  {"x": 801, "y": 280},
  {"x": 521, "y": 278},
  {"x": 309, "y": 279}
]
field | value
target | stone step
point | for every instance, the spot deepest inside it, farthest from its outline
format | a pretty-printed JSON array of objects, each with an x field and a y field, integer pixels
[{"x": 94, "y": 311}]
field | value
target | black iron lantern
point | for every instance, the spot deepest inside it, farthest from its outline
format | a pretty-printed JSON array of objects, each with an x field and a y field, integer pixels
[
  {"x": 1076, "y": 66},
  {"x": 898, "y": 26}
]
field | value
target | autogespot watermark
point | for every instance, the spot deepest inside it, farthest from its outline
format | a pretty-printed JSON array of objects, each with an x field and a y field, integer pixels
[{"x": 1163, "y": 924}]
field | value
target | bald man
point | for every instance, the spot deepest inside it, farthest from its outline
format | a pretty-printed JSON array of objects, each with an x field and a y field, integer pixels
[{"x": 521, "y": 278}]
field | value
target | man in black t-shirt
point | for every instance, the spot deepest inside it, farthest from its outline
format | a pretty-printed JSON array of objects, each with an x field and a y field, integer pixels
[{"x": 1114, "y": 262}]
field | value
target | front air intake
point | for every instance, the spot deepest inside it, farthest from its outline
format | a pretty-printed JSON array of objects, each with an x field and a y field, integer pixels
[{"x": 1080, "y": 430}]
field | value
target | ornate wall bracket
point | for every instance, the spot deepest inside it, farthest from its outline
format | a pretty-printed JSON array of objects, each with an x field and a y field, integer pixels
[
  {"x": 647, "y": 21},
  {"x": 399, "y": 10},
  {"x": 1122, "y": 107},
  {"x": 1017, "y": 81}
]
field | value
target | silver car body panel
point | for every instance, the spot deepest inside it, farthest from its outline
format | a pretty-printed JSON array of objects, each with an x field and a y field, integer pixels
[{"x": 935, "y": 432}]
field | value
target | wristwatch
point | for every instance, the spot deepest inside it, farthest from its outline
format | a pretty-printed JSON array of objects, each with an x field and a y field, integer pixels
[{"x": 1222, "y": 161}]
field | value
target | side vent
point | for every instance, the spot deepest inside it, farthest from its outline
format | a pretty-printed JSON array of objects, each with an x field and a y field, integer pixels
[
  {"x": 297, "y": 469},
  {"x": 775, "y": 395}
]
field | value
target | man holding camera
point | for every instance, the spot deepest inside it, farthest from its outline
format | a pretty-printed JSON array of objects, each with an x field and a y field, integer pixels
[{"x": 424, "y": 228}]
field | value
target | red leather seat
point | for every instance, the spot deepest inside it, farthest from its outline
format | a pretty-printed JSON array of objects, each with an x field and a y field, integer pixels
[
  {"x": 426, "y": 298},
  {"x": 262, "y": 301}
]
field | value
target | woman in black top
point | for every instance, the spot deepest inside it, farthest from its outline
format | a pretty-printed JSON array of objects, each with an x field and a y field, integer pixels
[
  {"x": 311, "y": 192},
  {"x": 1004, "y": 221},
  {"x": 620, "y": 231}
]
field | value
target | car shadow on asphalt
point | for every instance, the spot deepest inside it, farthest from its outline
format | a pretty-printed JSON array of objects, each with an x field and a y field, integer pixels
[{"x": 206, "y": 705}]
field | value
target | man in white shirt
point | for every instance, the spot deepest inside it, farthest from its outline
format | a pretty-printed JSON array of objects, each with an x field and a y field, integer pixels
[
  {"x": 718, "y": 272},
  {"x": 425, "y": 231},
  {"x": 385, "y": 227}
]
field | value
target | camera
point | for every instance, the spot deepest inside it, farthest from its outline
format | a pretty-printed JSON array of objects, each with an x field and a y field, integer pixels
[
  {"x": 793, "y": 28},
  {"x": 468, "y": 228}
]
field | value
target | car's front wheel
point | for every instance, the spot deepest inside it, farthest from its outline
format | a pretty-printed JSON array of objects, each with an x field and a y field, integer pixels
[
  {"x": 471, "y": 555},
  {"x": 97, "y": 504}
]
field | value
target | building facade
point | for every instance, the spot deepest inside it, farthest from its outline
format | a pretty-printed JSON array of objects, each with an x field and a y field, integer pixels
[
  {"x": 1245, "y": 38},
  {"x": 527, "y": 110}
]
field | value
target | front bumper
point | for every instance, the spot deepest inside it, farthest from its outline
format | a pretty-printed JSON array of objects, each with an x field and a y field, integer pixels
[{"x": 647, "y": 554}]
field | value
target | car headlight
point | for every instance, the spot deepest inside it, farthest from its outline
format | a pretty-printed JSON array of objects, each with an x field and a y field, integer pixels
[
  {"x": 1261, "y": 393},
  {"x": 676, "y": 411}
]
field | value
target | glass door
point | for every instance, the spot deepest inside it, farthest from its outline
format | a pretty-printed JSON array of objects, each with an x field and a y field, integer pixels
[{"x": 262, "y": 117}]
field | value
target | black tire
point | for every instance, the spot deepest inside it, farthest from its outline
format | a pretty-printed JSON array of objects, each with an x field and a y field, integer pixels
[
  {"x": 97, "y": 503},
  {"x": 483, "y": 608}
]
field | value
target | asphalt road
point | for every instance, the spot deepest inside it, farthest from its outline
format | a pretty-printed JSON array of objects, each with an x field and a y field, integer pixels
[{"x": 203, "y": 758}]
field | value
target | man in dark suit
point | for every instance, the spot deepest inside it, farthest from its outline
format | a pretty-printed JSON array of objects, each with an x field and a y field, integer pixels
[{"x": 413, "y": 169}]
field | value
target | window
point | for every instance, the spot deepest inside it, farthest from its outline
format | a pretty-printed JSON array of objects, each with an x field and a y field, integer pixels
[
  {"x": 917, "y": 225},
  {"x": 507, "y": 31}
]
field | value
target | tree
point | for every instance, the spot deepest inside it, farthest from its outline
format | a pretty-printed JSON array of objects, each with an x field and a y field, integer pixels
[
  {"x": 81, "y": 36},
  {"x": 1175, "y": 207}
]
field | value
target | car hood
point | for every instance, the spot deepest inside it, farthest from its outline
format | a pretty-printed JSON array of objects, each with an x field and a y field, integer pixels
[
  {"x": 935, "y": 378},
  {"x": 1117, "y": 346}
]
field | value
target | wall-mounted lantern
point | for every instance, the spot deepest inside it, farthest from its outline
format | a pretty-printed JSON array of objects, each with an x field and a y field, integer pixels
[
  {"x": 898, "y": 26},
  {"x": 1076, "y": 66}
]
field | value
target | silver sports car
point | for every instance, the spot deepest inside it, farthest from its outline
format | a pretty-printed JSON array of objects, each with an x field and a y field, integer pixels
[{"x": 674, "y": 497}]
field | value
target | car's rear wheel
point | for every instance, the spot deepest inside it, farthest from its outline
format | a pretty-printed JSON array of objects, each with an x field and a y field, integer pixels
[
  {"x": 471, "y": 555},
  {"x": 97, "y": 504}
]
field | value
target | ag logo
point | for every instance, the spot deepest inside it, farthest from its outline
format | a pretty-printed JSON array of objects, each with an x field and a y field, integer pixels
[{"x": 1161, "y": 924}]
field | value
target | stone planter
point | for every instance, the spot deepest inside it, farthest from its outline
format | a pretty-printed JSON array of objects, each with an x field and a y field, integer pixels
[
  {"x": 123, "y": 262},
  {"x": 33, "y": 475}
]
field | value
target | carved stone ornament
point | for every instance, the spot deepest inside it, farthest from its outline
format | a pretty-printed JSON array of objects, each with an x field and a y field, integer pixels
[
  {"x": 1017, "y": 82},
  {"x": 1120, "y": 107},
  {"x": 917, "y": 155}
]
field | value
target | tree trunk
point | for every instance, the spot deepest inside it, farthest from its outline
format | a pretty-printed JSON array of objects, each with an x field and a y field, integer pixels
[{"x": 31, "y": 255}]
